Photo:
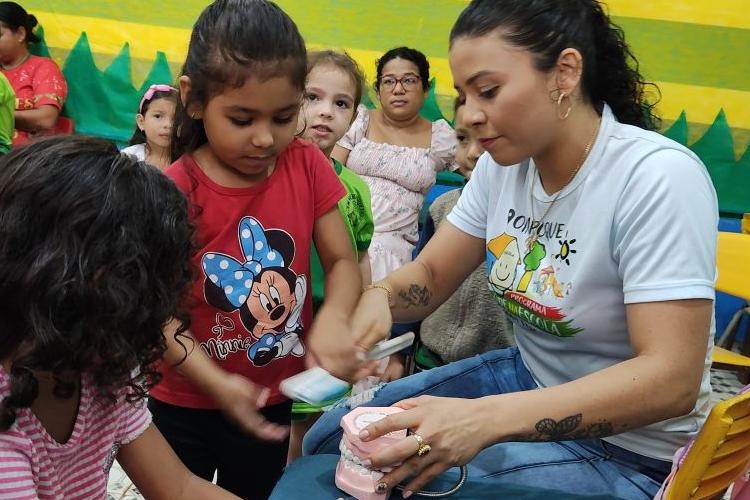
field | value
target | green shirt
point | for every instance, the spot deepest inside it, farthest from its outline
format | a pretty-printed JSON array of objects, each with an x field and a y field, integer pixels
[
  {"x": 357, "y": 213},
  {"x": 7, "y": 116}
]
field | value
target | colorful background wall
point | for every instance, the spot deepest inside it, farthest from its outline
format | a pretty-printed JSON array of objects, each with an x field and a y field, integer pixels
[{"x": 697, "y": 51}]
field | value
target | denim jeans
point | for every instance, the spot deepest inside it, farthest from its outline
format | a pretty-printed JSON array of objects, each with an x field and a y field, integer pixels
[{"x": 589, "y": 466}]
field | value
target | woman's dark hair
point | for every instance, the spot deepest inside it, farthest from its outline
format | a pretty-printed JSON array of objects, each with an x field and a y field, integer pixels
[
  {"x": 231, "y": 41},
  {"x": 345, "y": 63},
  {"x": 413, "y": 55},
  {"x": 14, "y": 17},
  {"x": 547, "y": 27},
  {"x": 139, "y": 137},
  {"x": 95, "y": 257}
]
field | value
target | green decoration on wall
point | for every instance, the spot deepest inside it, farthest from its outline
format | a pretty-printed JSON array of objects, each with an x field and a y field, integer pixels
[
  {"x": 678, "y": 132},
  {"x": 430, "y": 109},
  {"x": 731, "y": 178},
  {"x": 39, "y": 49},
  {"x": 104, "y": 103},
  {"x": 716, "y": 145}
]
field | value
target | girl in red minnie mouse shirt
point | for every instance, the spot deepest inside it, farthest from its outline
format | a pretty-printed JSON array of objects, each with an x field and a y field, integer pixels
[{"x": 259, "y": 198}]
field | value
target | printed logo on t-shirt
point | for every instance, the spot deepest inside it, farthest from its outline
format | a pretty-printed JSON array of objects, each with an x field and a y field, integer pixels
[
  {"x": 261, "y": 285},
  {"x": 524, "y": 277},
  {"x": 353, "y": 209}
]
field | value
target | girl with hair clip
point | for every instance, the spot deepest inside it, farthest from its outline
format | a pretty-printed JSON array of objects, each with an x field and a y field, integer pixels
[
  {"x": 599, "y": 237},
  {"x": 39, "y": 84},
  {"x": 95, "y": 255},
  {"x": 259, "y": 198},
  {"x": 153, "y": 126}
]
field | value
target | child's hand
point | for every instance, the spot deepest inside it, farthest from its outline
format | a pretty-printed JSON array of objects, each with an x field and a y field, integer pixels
[
  {"x": 240, "y": 399},
  {"x": 395, "y": 369},
  {"x": 333, "y": 347}
]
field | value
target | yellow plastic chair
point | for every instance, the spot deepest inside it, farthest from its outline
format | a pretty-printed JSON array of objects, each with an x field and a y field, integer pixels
[
  {"x": 719, "y": 455},
  {"x": 733, "y": 263}
]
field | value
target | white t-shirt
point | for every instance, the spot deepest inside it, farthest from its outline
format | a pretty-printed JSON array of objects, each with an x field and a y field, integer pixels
[
  {"x": 638, "y": 223},
  {"x": 137, "y": 151}
]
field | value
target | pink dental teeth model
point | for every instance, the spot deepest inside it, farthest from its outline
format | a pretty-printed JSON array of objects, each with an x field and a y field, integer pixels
[
  {"x": 359, "y": 481},
  {"x": 351, "y": 476}
]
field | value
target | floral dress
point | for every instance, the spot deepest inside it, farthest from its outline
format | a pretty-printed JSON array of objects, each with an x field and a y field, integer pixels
[{"x": 398, "y": 177}]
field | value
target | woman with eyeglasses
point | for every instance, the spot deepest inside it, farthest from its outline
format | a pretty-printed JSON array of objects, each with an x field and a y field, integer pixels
[{"x": 398, "y": 153}]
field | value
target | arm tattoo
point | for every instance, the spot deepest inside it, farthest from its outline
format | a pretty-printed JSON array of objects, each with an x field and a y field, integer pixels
[
  {"x": 415, "y": 296},
  {"x": 568, "y": 428}
]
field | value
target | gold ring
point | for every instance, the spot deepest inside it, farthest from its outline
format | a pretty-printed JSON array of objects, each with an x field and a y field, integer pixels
[
  {"x": 424, "y": 450},
  {"x": 422, "y": 447},
  {"x": 420, "y": 441}
]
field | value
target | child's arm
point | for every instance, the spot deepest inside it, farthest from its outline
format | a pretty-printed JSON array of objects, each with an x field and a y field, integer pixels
[
  {"x": 237, "y": 397},
  {"x": 330, "y": 338},
  {"x": 340, "y": 154},
  {"x": 159, "y": 474},
  {"x": 364, "y": 267},
  {"x": 16, "y": 473},
  {"x": 34, "y": 120}
]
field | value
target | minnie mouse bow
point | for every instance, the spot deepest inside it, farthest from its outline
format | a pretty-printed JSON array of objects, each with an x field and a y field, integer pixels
[{"x": 234, "y": 277}]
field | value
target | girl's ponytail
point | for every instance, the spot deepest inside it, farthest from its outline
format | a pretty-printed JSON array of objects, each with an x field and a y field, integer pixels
[
  {"x": 615, "y": 77},
  {"x": 30, "y": 24}
]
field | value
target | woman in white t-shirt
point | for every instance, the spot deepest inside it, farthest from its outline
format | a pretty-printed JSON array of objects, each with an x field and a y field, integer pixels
[{"x": 599, "y": 237}]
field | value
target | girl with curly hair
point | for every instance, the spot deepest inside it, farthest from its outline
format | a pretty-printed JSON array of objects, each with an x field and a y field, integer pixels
[{"x": 94, "y": 254}]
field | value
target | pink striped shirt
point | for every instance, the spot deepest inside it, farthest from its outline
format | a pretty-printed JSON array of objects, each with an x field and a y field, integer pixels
[{"x": 34, "y": 465}]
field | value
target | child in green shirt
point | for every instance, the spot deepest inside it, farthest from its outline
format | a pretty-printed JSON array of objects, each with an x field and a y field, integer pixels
[
  {"x": 333, "y": 91},
  {"x": 357, "y": 213}
]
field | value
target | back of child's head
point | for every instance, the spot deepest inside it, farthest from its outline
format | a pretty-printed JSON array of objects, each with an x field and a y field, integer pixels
[
  {"x": 152, "y": 94},
  {"x": 345, "y": 63},
  {"x": 234, "y": 40},
  {"x": 95, "y": 256}
]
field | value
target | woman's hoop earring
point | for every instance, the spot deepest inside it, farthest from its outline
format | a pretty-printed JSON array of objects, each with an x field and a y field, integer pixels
[{"x": 560, "y": 115}]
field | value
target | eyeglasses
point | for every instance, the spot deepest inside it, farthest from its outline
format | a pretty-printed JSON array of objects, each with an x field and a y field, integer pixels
[
  {"x": 153, "y": 89},
  {"x": 408, "y": 82}
]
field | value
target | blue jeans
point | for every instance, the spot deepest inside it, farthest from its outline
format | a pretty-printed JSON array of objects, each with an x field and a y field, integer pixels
[{"x": 589, "y": 466}]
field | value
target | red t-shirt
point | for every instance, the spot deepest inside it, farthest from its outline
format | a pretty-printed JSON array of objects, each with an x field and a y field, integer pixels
[
  {"x": 251, "y": 302},
  {"x": 37, "y": 82}
]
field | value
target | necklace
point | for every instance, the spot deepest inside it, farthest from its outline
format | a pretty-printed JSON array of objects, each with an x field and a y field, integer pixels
[
  {"x": 14, "y": 66},
  {"x": 534, "y": 236}
]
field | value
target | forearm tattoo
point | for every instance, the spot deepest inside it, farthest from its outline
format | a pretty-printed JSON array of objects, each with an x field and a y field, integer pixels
[
  {"x": 415, "y": 296},
  {"x": 568, "y": 428}
]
